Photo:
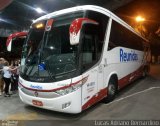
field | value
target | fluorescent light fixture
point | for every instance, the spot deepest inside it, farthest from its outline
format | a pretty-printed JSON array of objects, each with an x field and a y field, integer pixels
[
  {"x": 2, "y": 20},
  {"x": 39, "y": 10},
  {"x": 33, "y": 20},
  {"x": 6, "y": 21}
]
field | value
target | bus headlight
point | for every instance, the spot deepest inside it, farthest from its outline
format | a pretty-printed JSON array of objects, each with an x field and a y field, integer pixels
[{"x": 69, "y": 89}]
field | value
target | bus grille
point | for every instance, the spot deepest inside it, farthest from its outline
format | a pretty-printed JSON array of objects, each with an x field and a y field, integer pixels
[{"x": 39, "y": 94}]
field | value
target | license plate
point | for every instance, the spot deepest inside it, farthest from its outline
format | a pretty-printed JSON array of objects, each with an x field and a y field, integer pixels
[{"x": 37, "y": 103}]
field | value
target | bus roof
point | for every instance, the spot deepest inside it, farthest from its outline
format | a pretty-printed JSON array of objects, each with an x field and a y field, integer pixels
[
  {"x": 89, "y": 7},
  {"x": 73, "y": 9}
]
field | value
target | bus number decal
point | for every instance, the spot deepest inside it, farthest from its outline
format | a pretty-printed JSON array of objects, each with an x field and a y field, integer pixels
[{"x": 90, "y": 87}]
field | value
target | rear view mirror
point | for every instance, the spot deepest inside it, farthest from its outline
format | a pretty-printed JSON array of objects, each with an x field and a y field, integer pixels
[
  {"x": 9, "y": 44},
  {"x": 76, "y": 27},
  {"x": 12, "y": 37}
]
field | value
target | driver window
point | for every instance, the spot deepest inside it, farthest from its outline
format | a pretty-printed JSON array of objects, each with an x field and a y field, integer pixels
[{"x": 89, "y": 50}]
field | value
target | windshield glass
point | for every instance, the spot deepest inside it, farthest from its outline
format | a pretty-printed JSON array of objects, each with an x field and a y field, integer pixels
[{"x": 48, "y": 55}]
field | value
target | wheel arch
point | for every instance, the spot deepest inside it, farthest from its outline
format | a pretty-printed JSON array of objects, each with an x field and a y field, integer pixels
[{"x": 113, "y": 75}]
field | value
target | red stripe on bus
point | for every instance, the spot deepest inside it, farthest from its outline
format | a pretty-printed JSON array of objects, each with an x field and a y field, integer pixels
[
  {"x": 96, "y": 98},
  {"x": 127, "y": 79},
  {"x": 122, "y": 82},
  {"x": 52, "y": 90}
]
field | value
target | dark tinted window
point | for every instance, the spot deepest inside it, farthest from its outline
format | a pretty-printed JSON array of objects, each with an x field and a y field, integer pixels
[
  {"x": 54, "y": 58},
  {"x": 121, "y": 36},
  {"x": 89, "y": 50},
  {"x": 101, "y": 29},
  {"x": 17, "y": 44},
  {"x": 93, "y": 39}
]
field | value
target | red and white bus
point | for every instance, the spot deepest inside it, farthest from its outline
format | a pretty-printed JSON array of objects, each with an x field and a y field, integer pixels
[
  {"x": 75, "y": 57},
  {"x": 14, "y": 45}
]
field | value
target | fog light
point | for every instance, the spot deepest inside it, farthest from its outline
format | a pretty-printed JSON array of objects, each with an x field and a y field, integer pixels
[{"x": 65, "y": 105}]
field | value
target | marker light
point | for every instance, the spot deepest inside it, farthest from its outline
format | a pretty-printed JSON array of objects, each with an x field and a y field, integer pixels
[{"x": 39, "y": 25}]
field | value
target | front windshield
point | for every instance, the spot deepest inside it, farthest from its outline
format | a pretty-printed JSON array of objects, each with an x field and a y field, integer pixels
[{"x": 48, "y": 55}]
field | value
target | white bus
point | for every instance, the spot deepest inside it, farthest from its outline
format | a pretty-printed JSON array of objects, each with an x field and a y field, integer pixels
[{"x": 75, "y": 57}]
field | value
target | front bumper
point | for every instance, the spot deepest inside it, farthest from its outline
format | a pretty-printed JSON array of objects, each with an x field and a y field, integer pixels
[{"x": 70, "y": 103}]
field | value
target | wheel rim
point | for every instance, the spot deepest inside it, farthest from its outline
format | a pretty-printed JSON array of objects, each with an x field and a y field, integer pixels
[{"x": 111, "y": 89}]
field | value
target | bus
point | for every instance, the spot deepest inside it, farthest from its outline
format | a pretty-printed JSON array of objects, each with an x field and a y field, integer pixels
[
  {"x": 14, "y": 44},
  {"x": 74, "y": 58}
]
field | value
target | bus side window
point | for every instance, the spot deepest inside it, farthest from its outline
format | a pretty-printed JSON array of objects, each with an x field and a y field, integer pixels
[
  {"x": 111, "y": 45},
  {"x": 102, "y": 20},
  {"x": 123, "y": 37}
]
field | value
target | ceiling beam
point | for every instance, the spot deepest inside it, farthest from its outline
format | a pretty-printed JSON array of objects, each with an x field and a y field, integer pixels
[{"x": 115, "y": 4}]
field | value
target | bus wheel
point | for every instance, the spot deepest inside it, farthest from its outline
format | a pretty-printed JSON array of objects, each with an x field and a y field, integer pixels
[
  {"x": 112, "y": 90},
  {"x": 145, "y": 72}
]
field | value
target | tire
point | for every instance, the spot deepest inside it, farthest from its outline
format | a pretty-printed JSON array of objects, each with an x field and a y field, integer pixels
[
  {"x": 145, "y": 72},
  {"x": 111, "y": 90}
]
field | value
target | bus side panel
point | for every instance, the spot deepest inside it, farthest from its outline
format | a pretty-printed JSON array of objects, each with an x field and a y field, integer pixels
[
  {"x": 89, "y": 89},
  {"x": 126, "y": 64},
  {"x": 93, "y": 90}
]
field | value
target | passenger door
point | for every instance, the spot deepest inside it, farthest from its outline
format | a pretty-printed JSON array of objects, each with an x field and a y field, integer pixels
[{"x": 89, "y": 67}]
